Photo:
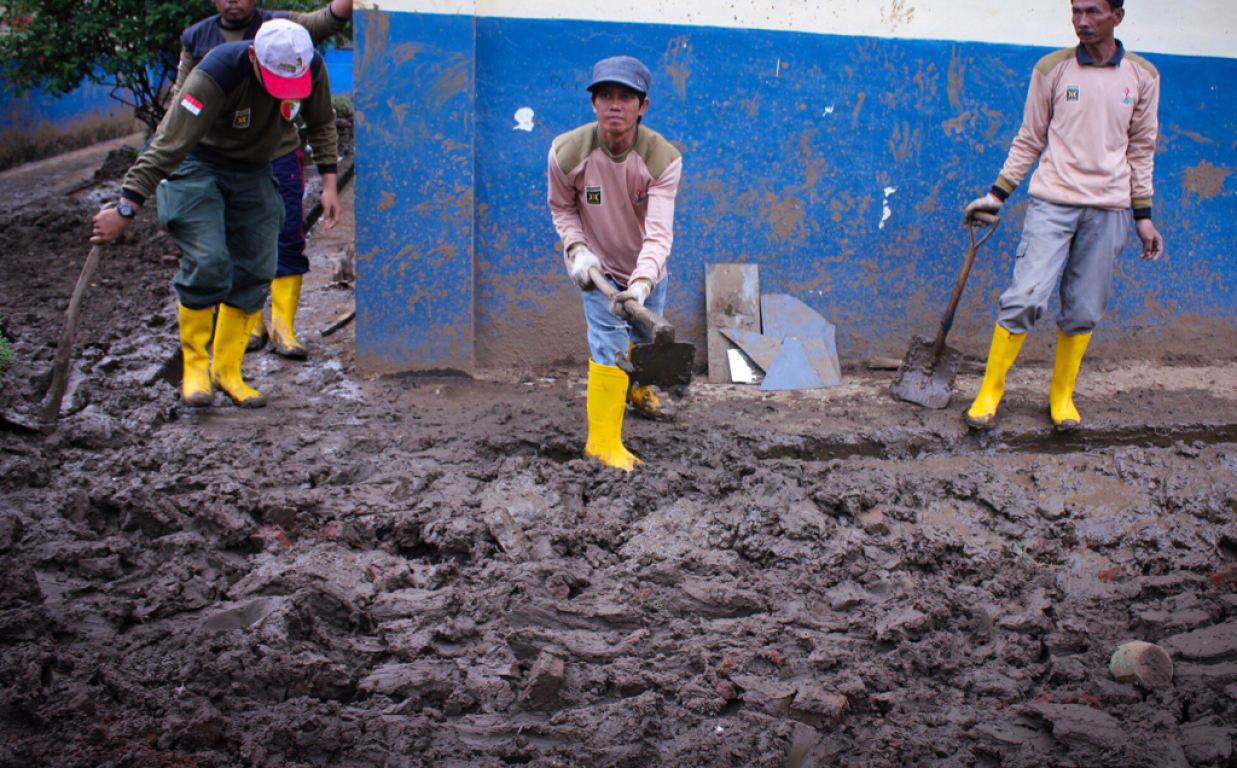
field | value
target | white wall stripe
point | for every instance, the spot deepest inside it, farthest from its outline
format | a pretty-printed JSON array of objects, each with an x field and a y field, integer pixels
[{"x": 1186, "y": 27}]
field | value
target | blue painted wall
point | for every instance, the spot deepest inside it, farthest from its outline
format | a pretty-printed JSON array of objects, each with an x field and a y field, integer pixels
[
  {"x": 414, "y": 119},
  {"x": 339, "y": 69},
  {"x": 36, "y": 107},
  {"x": 790, "y": 141}
]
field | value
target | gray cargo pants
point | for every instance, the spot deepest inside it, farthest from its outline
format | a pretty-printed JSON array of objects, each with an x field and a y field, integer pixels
[{"x": 1078, "y": 244}]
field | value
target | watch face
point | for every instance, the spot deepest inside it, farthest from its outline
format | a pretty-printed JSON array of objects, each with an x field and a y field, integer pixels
[{"x": 124, "y": 209}]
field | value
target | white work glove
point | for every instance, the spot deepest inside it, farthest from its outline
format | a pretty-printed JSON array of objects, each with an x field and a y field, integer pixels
[
  {"x": 983, "y": 211},
  {"x": 581, "y": 263},
  {"x": 638, "y": 291}
]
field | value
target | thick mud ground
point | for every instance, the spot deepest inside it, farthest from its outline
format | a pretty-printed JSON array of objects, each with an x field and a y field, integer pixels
[{"x": 424, "y": 572}]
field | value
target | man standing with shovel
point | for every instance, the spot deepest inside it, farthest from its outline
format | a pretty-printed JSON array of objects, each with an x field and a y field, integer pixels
[
  {"x": 1091, "y": 120},
  {"x": 210, "y": 163},
  {"x": 612, "y": 185}
]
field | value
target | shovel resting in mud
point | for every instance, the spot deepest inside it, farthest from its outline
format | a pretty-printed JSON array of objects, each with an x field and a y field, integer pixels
[
  {"x": 663, "y": 363},
  {"x": 64, "y": 350},
  {"x": 926, "y": 376}
]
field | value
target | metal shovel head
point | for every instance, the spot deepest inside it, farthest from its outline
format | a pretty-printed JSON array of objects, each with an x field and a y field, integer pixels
[
  {"x": 662, "y": 364},
  {"x": 926, "y": 380}
]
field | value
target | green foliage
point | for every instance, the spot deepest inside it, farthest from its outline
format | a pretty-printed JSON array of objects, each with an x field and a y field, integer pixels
[
  {"x": 342, "y": 105},
  {"x": 6, "y": 350},
  {"x": 132, "y": 46}
]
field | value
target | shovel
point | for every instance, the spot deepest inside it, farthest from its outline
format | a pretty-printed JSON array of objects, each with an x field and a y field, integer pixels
[
  {"x": 64, "y": 350},
  {"x": 926, "y": 376},
  {"x": 665, "y": 362}
]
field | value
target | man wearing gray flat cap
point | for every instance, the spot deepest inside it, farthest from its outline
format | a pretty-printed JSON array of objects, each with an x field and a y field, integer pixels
[{"x": 612, "y": 185}]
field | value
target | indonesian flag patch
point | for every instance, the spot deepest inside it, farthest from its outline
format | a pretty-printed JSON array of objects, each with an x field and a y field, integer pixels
[
  {"x": 289, "y": 108},
  {"x": 191, "y": 104}
]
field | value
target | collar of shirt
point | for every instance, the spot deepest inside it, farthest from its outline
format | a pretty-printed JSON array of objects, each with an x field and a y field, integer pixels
[{"x": 1084, "y": 57}]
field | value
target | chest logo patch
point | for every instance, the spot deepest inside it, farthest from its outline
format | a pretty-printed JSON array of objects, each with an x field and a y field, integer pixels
[
  {"x": 1128, "y": 98},
  {"x": 1073, "y": 93},
  {"x": 241, "y": 119},
  {"x": 642, "y": 197},
  {"x": 592, "y": 195},
  {"x": 191, "y": 104},
  {"x": 290, "y": 108}
]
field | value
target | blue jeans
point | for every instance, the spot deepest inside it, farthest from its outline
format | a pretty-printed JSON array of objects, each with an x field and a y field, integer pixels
[
  {"x": 289, "y": 172},
  {"x": 609, "y": 334}
]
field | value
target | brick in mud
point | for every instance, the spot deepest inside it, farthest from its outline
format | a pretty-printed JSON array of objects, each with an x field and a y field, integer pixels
[
  {"x": 10, "y": 532},
  {"x": 270, "y": 538},
  {"x": 544, "y": 680}
]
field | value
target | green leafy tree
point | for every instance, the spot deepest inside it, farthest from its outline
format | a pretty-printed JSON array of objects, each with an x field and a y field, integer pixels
[{"x": 133, "y": 46}]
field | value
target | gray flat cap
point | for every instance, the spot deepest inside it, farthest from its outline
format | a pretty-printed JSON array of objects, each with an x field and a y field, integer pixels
[{"x": 623, "y": 70}]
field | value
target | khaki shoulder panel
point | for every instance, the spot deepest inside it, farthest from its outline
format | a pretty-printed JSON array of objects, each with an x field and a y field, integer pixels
[
  {"x": 657, "y": 153},
  {"x": 572, "y": 147},
  {"x": 1140, "y": 61},
  {"x": 1054, "y": 60}
]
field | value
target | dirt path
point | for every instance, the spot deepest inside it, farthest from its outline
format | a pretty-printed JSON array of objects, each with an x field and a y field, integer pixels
[{"x": 423, "y": 572}]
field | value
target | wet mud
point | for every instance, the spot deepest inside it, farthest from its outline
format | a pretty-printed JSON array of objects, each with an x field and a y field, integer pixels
[{"x": 412, "y": 572}]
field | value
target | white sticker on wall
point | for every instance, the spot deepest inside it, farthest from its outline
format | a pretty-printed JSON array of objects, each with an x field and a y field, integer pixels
[
  {"x": 524, "y": 119},
  {"x": 886, "y": 211}
]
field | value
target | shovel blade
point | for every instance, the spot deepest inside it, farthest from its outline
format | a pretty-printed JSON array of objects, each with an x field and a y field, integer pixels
[
  {"x": 926, "y": 380},
  {"x": 664, "y": 364}
]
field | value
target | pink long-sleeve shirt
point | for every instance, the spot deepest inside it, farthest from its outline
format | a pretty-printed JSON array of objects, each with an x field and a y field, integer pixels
[
  {"x": 621, "y": 207},
  {"x": 1093, "y": 128}
]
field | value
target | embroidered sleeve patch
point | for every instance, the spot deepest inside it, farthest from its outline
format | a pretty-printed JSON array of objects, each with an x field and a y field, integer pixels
[{"x": 191, "y": 104}]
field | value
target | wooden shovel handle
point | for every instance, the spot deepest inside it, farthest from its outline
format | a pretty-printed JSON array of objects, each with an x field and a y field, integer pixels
[
  {"x": 662, "y": 331},
  {"x": 64, "y": 350},
  {"x": 948, "y": 320}
]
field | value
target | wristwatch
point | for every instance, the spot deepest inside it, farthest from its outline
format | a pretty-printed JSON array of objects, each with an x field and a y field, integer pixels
[{"x": 125, "y": 209}]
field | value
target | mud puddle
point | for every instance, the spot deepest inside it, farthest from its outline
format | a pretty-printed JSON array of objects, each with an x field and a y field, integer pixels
[{"x": 422, "y": 572}]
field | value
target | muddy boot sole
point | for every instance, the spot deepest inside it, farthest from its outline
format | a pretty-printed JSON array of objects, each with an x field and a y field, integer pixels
[
  {"x": 1066, "y": 427},
  {"x": 255, "y": 343},
  {"x": 291, "y": 353},
  {"x": 653, "y": 416},
  {"x": 980, "y": 426},
  {"x": 253, "y": 402},
  {"x": 199, "y": 400}
]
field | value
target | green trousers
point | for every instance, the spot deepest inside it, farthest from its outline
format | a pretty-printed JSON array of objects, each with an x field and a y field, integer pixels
[{"x": 225, "y": 216}]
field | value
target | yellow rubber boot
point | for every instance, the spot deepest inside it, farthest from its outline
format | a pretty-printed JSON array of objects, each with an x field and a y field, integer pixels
[
  {"x": 285, "y": 298},
  {"x": 1001, "y": 357},
  {"x": 258, "y": 336},
  {"x": 196, "y": 326},
  {"x": 607, "y": 388},
  {"x": 1070, "y": 350},
  {"x": 231, "y": 334},
  {"x": 648, "y": 405}
]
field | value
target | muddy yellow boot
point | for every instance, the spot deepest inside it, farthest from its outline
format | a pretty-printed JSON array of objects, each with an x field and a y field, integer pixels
[
  {"x": 231, "y": 334},
  {"x": 648, "y": 405},
  {"x": 258, "y": 336},
  {"x": 1001, "y": 357},
  {"x": 285, "y": 298},
  {"x": 607, "y": 387},
  {"x": 196, "y": 326},
  {"x": 1070, "y": 350}
]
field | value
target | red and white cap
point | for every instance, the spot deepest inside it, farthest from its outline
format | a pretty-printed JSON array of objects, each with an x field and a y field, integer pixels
[{"x": 284, "y": 53}]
